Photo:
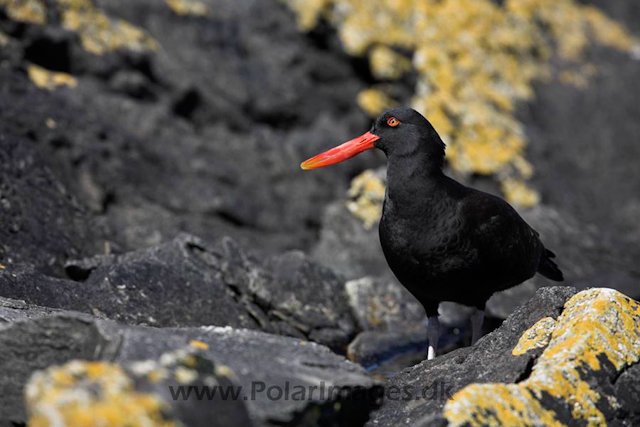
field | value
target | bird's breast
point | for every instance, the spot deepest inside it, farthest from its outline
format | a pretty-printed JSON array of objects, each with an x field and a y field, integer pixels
[{"x": 431, "y": 242}]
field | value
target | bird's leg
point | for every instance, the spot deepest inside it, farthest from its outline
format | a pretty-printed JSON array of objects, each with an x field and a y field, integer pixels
[
  {"x": 433, "y": 334},
  {"x": 477, "y": 318}
]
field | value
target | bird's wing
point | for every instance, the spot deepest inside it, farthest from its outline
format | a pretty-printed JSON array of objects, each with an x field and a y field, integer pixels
[{"x": 497, "y": 231}]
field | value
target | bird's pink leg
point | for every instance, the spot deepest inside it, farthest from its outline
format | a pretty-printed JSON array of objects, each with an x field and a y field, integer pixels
[
  {"x": 477, "y": 318},
  {"x": 433, "y": 334}
]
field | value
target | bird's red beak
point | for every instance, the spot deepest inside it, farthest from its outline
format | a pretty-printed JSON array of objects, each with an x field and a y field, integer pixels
[{"x": 341, "y": 152}]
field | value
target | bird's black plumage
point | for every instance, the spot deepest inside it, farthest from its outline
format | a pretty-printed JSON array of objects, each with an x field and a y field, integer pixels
[{"x": 445, "y": 241}]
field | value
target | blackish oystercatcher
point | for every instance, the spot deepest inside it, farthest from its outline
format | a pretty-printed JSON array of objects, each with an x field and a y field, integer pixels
[{"x": 443, "y": 241}]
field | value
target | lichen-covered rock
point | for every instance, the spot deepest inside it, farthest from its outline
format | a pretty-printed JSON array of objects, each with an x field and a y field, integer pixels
[
  {"x": 88, "y": 393},
  {"x": 596, "y": 338},
  {"x": 471, "y": 103},
  {"x": 148, "y": 361},
  {"x": 552, "y": 362}
]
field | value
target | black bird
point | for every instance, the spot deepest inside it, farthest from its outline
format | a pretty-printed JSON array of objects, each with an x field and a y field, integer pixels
[{"x": 443, "y": 241}]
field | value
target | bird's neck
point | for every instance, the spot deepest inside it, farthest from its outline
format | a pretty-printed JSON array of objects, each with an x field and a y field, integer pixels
[{"x": 413, "y": 179}]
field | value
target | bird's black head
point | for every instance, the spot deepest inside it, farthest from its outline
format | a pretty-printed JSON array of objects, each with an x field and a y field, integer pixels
[
  {"x": 399, "y": 132},
  {"x": 405, "y": 132}
]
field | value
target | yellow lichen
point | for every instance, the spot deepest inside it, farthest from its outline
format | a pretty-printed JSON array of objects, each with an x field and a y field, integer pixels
[
  {"x": 386, "y": 63},
  {"x": 185, "y": 375},
  {"x": 99, "y": 33},
  {"x": 595, "y": 325},
  {"x": 90, "y": 394},
  {"x": 51, "y": 124},
  {"x": 2, "y": 267},
  {"x": 374, "y": 101},
  {"x": 224, "y": 371},
  {"x": 475, "y": 59},
  {"x": 537, "y": 336},
  {"x": 309, "y": 11},
  {"x": 519, "y": 193},
  {"x": 50, "y": 80},
  {"x": 366, "y": 194},
  {"x": 189, "y": 7},
  {"x": 4, "y": 39},
  {"x": 578, "y": 78},
  {"x": 30, "y": 11},
  {"x": 199, "y": 344}
]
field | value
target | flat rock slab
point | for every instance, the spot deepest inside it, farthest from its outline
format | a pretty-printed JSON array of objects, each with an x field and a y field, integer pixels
[{"x": 261, "y": 366}]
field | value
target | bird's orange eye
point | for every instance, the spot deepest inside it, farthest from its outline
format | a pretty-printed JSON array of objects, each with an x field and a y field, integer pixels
[{"x": 393, "y": 122}]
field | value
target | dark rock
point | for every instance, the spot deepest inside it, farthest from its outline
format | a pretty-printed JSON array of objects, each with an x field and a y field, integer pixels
[
  {"x": 627, "y": 391},
  {"x": 155, "y": 145},
  {"x": 580, "y": 145},
  {"x": 233, "y": 354},
  {"x": 27, "y": 347},
  {"x": 187, "y": 283},
  {"x": 43, "y": 224},
  {"x": 170, "y": 285},
  {"x": 394, "y": 325},
  {"x": 490, "y": 360},
  {"x": 349, "y": 248}
]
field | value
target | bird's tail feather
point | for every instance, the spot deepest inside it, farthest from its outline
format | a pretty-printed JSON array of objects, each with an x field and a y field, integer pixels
[{"x": 548, "y": 268}]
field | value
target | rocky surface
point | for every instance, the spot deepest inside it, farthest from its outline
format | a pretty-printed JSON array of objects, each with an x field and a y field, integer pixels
[
  {"x": 557, "y": 359},
  {"x": 184, "y": 282},
  {"x": 155, "y": 359},
  {"x": 149, "y": 176},
  {"x": 178, "y": 139}
]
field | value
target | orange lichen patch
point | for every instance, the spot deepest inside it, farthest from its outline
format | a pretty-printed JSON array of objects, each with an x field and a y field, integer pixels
[
  {"x": 100, "y": 34},
  {"x": 597, "y": 324},
  {"x": 537, "y": 336},
  {"x": 30, "y": 11},
  {"x": 374, "y": 101},
  {"x": 189, "y": 7},
  {"x": 366, "y": 196},
  {"x": 199, "y": 344},
  {"x": 89, "y": 394},
  {"x": 475, "y": 59},
  {"x": 50, "y": 80}
]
